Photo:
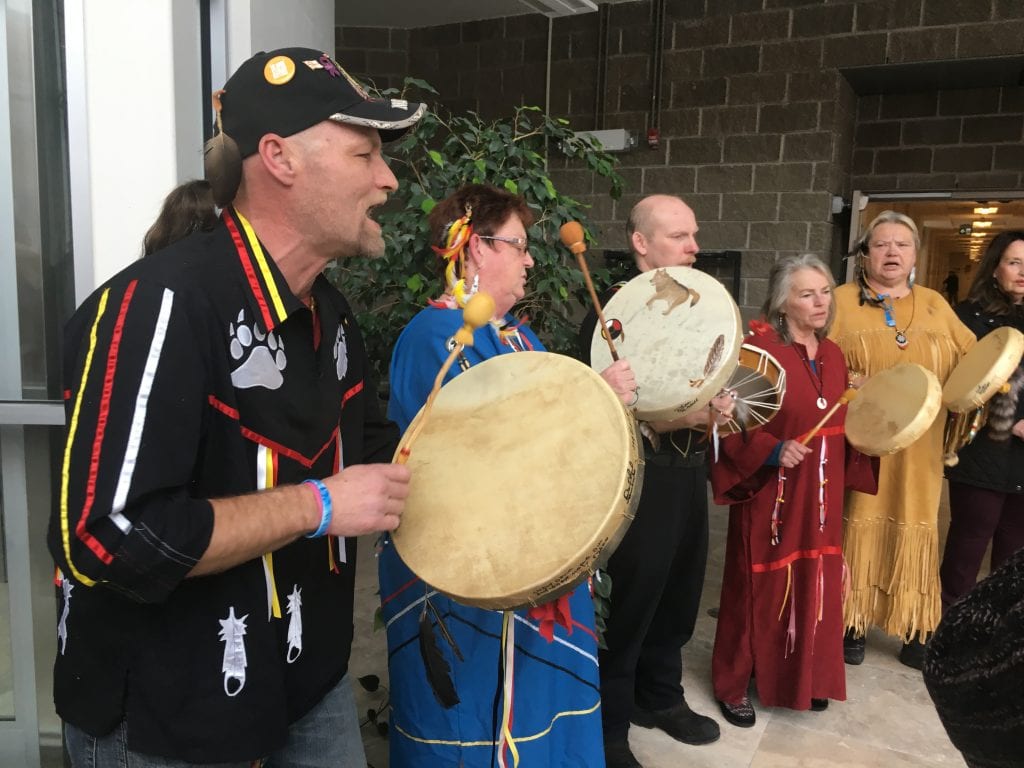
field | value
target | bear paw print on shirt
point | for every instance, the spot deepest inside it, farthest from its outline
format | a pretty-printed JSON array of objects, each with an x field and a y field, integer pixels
[{"x": 260, "y": 356}]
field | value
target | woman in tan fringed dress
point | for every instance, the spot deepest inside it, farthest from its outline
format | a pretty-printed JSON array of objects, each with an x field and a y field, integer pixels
[{"x": 890, "y": 540}]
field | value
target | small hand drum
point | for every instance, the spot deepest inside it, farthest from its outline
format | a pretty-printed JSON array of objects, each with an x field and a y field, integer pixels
[
  {"x": 526, "y": 474},
  {"x": 893, "y": 409},
  {"x": 983, "y": 370},
  {"x": 760, "y": 384},
  {"x": 681, "y": 332}
]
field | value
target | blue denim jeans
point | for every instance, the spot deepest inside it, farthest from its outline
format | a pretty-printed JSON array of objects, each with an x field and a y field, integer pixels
[{"x": 326, "y": 737}]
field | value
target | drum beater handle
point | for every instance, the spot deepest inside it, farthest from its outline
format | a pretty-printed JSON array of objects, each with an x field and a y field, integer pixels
[
  {"x": 573, "y": 239},
  {"x": 844, "y": 398}
]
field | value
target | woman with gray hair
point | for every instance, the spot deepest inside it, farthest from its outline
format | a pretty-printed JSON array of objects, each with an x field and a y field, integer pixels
[
  {"x": 891, "y": 540},
  {"x": 781, "y": 609}
]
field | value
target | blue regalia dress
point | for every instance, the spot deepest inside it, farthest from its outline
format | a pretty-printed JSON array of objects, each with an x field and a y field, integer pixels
[{"x": 555, "y": 691}]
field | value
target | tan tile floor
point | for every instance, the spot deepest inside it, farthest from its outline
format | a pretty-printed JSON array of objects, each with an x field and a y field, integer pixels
[{"x": 887, "y": 721}]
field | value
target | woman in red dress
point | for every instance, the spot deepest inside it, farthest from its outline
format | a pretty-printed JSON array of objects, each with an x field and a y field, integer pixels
[{"x": 781, "y": 614}]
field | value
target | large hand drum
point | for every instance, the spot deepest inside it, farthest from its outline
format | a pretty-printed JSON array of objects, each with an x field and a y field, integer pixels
[
  {"x": 526, "y": 473},
  {"x": 681, "y": 332},
  {"x": 983, "y": 370},
  {"x": 893, "y": 409},
  {"x": 760, "y": 384}
]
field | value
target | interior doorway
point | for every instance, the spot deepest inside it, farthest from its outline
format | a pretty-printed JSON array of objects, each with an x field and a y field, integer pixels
[{"x": 955, "y": 229}]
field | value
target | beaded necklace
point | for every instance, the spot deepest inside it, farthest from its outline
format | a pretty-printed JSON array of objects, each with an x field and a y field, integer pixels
[{"x": 888, "y": 306}]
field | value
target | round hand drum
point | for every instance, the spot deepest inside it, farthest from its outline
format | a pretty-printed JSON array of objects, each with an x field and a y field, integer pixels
[
  {"x": 526, "y": 473},
  {"x": 681, "y": 332},
  {"x": 983, "y": 370},
  {"x": 760, "y": 384},
  {"x": 893, "y": 409}
]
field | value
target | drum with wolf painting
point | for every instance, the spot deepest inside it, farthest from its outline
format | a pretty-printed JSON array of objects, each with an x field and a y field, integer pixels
[
  {"x": 681, "y": 332},
  {"x": 524, "y": 478}
]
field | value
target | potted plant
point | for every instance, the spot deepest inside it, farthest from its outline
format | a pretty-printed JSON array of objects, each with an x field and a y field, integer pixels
[{"x": 440, "y": 154}]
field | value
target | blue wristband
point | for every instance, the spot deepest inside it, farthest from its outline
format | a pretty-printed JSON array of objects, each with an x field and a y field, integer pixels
[{"x": 325, "y": 508}]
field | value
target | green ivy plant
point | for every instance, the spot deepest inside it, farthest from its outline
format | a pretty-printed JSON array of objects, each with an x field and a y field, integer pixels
[{"x": 440, "y": 154}]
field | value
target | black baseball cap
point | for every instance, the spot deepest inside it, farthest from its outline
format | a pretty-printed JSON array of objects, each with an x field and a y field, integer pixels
[{"x": 291, "y": 89}]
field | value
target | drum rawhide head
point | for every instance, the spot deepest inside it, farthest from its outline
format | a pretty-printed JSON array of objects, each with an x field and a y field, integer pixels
[
  {"x": 893, "y": 408},
  {"x": 507, "y": 507},
  {"x": 681, "y": 332},
  {"x": 982, "y": 372}
]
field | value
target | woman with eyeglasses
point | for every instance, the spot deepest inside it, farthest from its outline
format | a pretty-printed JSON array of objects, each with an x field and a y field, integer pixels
[
  {"x": 890, "y": 540},
  {"x": 480, "y": 236}
]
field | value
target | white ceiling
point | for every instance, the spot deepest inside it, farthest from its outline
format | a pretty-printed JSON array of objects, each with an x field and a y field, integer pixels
[{"x": 410, "y": 14}]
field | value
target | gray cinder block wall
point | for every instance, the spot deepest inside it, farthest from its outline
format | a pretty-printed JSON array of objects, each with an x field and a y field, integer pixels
[{"x": 760, "y": 124}]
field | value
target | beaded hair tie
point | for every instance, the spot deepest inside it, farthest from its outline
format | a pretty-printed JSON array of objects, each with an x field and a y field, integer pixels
[{"x": 455, "y": 238}]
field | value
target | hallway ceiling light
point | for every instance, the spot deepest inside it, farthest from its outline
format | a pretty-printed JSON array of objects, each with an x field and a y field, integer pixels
[
  {"x": 977, "y": 234},
  {"x": 986, "y": 211},
  {"x": 555, "y": 8},
  {"x": 981, "y": 224}
]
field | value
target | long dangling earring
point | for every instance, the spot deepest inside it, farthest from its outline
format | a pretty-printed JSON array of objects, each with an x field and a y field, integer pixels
[
  {"x": 475, "y": 286},
  {"x": 911, "y": 277}
]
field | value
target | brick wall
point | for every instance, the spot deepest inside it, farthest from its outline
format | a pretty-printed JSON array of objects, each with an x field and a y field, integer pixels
[
  {"x": 760, "y": 127},
  {"x": 375, "y": 55},
  {"x": 946, "y": 140}
]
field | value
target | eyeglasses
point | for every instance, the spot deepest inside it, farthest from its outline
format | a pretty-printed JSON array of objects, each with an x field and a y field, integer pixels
[
  {"x": 901, "y": 245},
  {"x": 519, "y": 243}
]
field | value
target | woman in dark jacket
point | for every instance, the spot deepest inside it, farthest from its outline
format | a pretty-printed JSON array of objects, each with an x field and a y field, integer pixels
[{"x": 986, "y": 486}]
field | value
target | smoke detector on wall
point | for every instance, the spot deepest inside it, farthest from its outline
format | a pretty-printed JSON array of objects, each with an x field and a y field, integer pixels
[{"x": 554, "y": 8}]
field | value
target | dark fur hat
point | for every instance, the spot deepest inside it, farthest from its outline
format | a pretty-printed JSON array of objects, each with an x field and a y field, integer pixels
[{"x": 974, "y": 669}]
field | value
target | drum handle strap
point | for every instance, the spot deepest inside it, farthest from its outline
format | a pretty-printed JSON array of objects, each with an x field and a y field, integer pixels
[{"x": 477, "y": 313}]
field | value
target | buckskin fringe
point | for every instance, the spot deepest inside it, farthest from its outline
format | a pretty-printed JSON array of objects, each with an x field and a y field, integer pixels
[{"x": 894, "y": 577}]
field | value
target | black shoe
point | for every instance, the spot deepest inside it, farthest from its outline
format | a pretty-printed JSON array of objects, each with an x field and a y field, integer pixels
[
  {"x": 853, "y": 648},
  {"x": 912, "y": 653},
  {"x": 617, "y": 754},
  {"x": 819, "y": 705},
  {"x": 680, "y": 722},
  {"x": 741, "y": 715}
]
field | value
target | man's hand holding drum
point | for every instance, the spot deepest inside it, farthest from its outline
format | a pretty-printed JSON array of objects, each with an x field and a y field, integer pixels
[
  {"x": 365, "y": 498},
  {"x": 621, "y": 379},
  {"x": 721, "y": 409},
  {"x": 723, "y": 406}
]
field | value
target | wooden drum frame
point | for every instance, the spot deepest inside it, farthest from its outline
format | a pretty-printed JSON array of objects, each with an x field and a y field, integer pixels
[{"x": 524, "y": 478}]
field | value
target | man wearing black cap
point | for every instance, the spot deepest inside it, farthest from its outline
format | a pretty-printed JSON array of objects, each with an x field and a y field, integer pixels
[{"x": 220, "y": 433}]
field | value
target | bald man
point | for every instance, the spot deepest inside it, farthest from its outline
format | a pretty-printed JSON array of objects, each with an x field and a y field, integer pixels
[{"x": 657, "y": 571}]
